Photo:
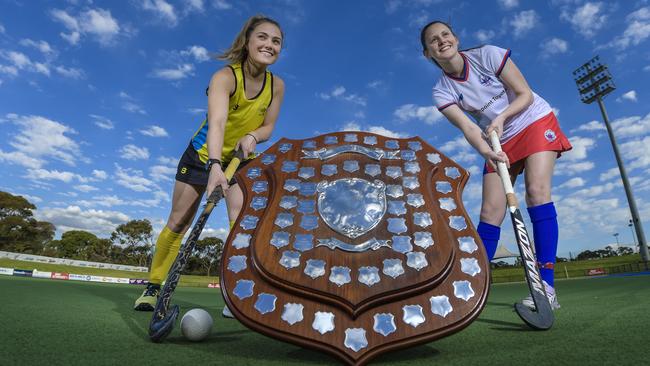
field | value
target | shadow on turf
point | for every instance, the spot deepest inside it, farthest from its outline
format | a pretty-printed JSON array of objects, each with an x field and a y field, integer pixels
[{"x": 504, "y": 325}]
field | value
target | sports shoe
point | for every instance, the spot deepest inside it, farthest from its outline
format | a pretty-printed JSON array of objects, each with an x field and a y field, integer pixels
[
  {"x": 147, "y": 301},
  {"x": 550, "y": 293},
  {"x": 226, "y": 313}
]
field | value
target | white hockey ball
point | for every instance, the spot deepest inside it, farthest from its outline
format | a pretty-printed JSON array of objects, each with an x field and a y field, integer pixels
[{"x": 196, "y": 325}]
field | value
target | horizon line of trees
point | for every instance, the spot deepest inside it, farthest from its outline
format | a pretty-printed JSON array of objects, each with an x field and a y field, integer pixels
[{"x": 130, "y": 243}]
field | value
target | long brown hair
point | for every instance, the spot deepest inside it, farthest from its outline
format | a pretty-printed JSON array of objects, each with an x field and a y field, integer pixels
[{"x": 238, "y": 51}]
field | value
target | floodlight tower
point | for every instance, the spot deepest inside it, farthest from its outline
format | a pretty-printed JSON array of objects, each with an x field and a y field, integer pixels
[{"x": 594, "y": 82}]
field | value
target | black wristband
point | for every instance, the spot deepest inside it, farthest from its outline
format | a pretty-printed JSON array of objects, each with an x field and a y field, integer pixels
[
  {"x": 254, "y": 138},
  {"x": 211, "y": 162}
]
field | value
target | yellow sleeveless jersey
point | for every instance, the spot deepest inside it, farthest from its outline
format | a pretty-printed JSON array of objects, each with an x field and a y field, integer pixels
[{"x": 244, "y": 115}]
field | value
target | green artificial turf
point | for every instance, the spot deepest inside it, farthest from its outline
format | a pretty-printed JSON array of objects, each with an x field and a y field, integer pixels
[{"x": 48, "y": 322}]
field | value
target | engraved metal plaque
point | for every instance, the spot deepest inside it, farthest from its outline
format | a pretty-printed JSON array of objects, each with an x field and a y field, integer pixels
[
  {"x": 384, "y": 324},
  {"x": 352, "y": 207},
  {"x": 323, "y": 322}
]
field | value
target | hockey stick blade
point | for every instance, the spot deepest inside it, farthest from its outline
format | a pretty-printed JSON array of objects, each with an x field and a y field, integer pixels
[
  {"x": 542, "y": 318},
  {"x": 160, "y": 329},
  {"x": 164, "y": 317}
]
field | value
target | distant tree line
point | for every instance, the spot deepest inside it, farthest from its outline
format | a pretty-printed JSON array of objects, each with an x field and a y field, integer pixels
[
  {"x": 130, "y": 243},
  {"x": 604, "y": 253}
]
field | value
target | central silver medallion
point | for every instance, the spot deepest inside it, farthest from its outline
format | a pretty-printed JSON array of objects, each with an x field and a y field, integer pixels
[{"x": 352, "y": 206}]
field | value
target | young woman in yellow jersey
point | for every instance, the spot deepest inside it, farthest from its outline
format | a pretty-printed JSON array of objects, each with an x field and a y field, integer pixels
[{"x": 244, "y": 101}]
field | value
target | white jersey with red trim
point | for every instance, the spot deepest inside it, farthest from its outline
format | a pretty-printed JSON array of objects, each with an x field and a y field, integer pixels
[{"x": 480, "y": 92}]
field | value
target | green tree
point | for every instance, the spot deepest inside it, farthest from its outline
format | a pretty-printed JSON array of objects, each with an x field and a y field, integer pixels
[
  {"x": 136, "y": 240},
  {"x": 208, "y": 253},
  {"x": 81, "y": 245},
  {"x": 19, "y": 231}
]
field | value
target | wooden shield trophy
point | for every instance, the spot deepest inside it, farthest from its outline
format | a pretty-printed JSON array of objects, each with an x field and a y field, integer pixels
[{"x": 354, "y": 244}]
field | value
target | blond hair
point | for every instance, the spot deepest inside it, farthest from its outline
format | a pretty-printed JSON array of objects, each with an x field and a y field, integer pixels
[{"x": 237, "y": 51}]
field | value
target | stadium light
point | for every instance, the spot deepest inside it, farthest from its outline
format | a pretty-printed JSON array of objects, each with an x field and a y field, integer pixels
[
  {"x": 594, "y": 82},
  {"x": 631, "y": 226}
]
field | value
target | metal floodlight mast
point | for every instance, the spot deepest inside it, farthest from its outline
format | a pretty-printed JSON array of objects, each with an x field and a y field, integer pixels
[{"x": 594, "y": 82}]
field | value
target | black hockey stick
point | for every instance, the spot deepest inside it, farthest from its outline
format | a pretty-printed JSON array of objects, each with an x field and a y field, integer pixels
[
  {"x": 164, "y": 317},
  {"x": 542, "y": 318}
]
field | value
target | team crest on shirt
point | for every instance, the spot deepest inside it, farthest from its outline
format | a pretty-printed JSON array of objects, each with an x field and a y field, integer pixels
[
  {"x": 550, "y": 135},
  {"x": 485, "y": 80}
]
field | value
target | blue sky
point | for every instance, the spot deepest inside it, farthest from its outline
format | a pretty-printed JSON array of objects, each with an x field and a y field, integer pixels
[{"x": 98, "y": 99}]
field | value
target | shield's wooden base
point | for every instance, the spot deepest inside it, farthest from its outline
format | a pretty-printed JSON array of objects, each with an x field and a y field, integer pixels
[{"x": 457, "y": 266}]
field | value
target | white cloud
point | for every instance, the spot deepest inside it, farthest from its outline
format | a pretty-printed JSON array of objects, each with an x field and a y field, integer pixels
[
  {"x": 199, "y": 53},
  {"x": 133, "y": 180},
  {"x": 566, "y": 167},
  {"x": 586, "y": 19},
  {"x": 72, "y": 73},
  {"x": 428, "y": 115},
  {"x": 631, "y": 127},
  {"x": 132, "y": 152},
  {"x": 99, "y": 174},
  {"x": 221, "y": 233},
  {"x": 104, "y": 201},
  {"x": 2, "y": 28},
  {"x": 162, "y": 173},
  {"x": 8, "y": 70},
  {"x": 41, "y": 138},
  {"x": 596, "y": 190},
  {"x": 75, "y": 218},
  {"x": 20, "y": 61},
  {"x": 636, "y": 153},
  {"x": 483, "y": 35},
  {"x": 630, "y": 96},
  {"x": 554, "y": 46},
  {"x": 154, "y": 131},
  {"x": 340, "y": 93},
  {"x": 591, "y": 126},
  {"x": 43, "y": 174},
  {"x": 573, "y": 183},
  {"x": 524, "y": 22},
  {"x": 42, "y": 46},
  {"x": 20, "y": 158},
  {"x": 194, "y": 5},
  {"x": 166, "y": 160},
  {"x": 85, "y": 188},
  {"x": 163, "y": 10},
  {"x": 610, "y": 174},
  {"x": 129, "y": 104},
  {"x": 460, "y": 150},
  {"x": 180, "y": 72},
  {"x": 379, "y": 130},
  {"x": 581, "y": 145},
  {"x": 197, "y": 110},
  {"x": 98, "y": 23},
  {"x": 376, "y": 84},
  {"x": 508, "y": 4},
  {"x": 102, "y": 122},
  {"x": 221, "y": 4},
  {"x": 637, "y": 31}
]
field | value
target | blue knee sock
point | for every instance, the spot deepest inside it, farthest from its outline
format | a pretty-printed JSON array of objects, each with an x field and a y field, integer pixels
[
  {"x": 545, "y": 232},
  {"x": 490, "y": 236}
]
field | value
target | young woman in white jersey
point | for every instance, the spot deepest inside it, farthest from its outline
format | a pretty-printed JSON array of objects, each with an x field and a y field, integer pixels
[
  {"x": 486, "y": 84},
  {"x": 244, "y": 101}
]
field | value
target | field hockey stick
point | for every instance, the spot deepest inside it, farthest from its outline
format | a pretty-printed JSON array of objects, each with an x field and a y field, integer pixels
[
  {"x": 543, "y": 317},
  {"x": 164, "y": 316}
]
